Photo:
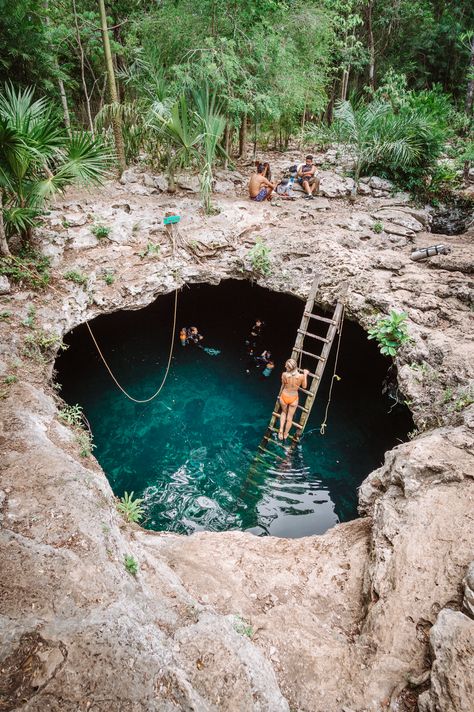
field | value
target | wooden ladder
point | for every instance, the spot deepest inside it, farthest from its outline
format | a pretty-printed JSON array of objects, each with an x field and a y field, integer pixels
[{"x": 315, "y": 375}]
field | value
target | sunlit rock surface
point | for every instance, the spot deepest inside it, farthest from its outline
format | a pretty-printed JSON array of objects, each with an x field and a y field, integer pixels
[{"x": 351, "y": 620}]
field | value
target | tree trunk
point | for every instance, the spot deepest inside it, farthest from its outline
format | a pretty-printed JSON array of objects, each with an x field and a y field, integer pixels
[
  {"x": 116, "y": 121},
  {"x": 370, "y": 35},
  {"x": 255, "y": 127},
  {"x": 4, "y": 249},
  {"x": 62, "y": 91},
  {"x": 67, "y": 119},
  {"x": 470, "y": 84},
  {"x": 242, "y": 135},
  {"x": 226, "y": 144},
  {"x": 344, "y": 84},
  {"x": 330, "y": 107},
  {"x": 83, "y": 72}
]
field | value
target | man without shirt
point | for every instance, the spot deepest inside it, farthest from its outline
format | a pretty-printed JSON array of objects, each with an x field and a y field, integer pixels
[{"x": 259, "y": 187}]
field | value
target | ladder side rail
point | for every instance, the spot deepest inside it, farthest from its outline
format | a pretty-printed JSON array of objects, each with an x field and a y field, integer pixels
[
  {"x": 304, "y": 323},
  {"x": 332, "y": 331}
]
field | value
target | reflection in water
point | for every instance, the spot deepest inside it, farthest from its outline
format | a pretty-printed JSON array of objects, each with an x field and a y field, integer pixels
[{"x": 190, "y": 453}]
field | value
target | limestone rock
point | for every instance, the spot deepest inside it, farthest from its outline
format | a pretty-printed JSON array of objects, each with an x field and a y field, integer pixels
[
  {"x": 319, "y": 204},
  {"x": 75, "y": 219},
  {"x": 188, "y": 182},
  {"x": 380, "y": 184},
  {"x": 148, "y": 180},
  {"x": 160, "y": 182},
  {"x": 128, "y": 176},
  {"x": 468, "y": 602},
  {"x": 399, "y": 217},
  {"x": 5, "y": 287},
  {"x": 452, "y": 646},
  {"x": 364, "y": 189},
  {"x": 333, "y": 186},
  {"x": 398, "y": 230}
]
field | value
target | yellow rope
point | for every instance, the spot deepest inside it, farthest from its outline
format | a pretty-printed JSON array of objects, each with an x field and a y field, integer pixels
[
  {"x": 334, "y": 376},
  {"x": 146, "y": 400}
]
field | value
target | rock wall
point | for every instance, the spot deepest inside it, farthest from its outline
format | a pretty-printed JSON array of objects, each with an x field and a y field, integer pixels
[{"x": 362, "y": 619}]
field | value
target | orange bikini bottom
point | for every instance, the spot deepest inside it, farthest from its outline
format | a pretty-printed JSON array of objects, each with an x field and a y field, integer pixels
[{"x": 288, "y": 400}]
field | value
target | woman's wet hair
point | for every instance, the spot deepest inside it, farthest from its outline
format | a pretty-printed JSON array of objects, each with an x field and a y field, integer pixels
[{"x": 291, "y": 365}]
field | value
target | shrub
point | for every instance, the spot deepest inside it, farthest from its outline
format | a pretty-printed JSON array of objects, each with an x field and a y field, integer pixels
[
  {"x": 131, "y": 565},
  {"x": 151, "y": 250},
  {"x": 72, "y": 415},
  {"x": 130, "y": 508},
  {"x": 29, "y": 269},
  {"x": 108, "y": 277},
  {"x": 8, "y": 380},
  {"x": 390, "y": 333},
  {"x": 100, "y": 231},
  {"x": 243, "y": 627},
  {"x": 86, "y": 446},
  {"x": 76, "y": 277},
  {"x": 41, "y": 344},
  {"x": 377, "y": 227},
  {"x": 260, "y": 258},
  {"x": 30, "y": 319}
]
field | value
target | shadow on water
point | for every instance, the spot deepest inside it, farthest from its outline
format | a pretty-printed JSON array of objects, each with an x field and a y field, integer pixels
[{"x": 189, "y": 452}]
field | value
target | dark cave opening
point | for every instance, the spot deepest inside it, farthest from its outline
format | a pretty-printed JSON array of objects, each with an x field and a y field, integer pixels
[{"x": 188, "y": 453}]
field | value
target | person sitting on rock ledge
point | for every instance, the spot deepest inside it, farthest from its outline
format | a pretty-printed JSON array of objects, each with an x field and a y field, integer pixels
[
  {"x": 307, "y": 178},
  {"x": 260, "y": 188}
]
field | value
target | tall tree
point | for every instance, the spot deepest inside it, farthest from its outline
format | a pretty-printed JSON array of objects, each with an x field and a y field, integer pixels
[{"x": 116, "y": 118}]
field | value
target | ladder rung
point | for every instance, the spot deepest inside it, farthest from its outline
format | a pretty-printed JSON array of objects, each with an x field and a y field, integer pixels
[
  {"x": 320, "y": 318},
  {"x": 301, "y": 407},
  {"x": 269, "y": 439},
  {"x": 269, "y": 452},
  {"x": 303, "y": 390},
  {"x": 313, "y": 336},
  {"x": 313, "y": 375},
  {"x": 307, "y": 353},
  {"x": 297, "y": 425}
]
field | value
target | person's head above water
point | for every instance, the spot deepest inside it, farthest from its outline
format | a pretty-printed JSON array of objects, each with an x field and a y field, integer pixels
[
  {"x": 291, "y": 365},
  {"x": 194, "y": 330}
]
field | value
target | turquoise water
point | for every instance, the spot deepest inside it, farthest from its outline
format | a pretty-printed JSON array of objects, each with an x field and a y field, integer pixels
[{"x": 189, "y": 452}]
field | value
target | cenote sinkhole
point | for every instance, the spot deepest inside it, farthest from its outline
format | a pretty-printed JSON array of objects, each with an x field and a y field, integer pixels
[{"x": 189, "y": 452}]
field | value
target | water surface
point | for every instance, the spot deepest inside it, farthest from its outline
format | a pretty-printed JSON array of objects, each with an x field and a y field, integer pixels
[{"x": 189, "y": 453}]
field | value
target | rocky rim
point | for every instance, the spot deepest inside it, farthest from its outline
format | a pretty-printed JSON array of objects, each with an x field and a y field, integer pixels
[{"x": 377, "y": 614}]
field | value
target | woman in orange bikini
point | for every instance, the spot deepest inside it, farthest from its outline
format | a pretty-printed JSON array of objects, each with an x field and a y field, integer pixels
[{"x": 291, "y": 380}]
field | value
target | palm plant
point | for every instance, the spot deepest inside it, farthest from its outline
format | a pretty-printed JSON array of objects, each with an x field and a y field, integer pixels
[
  {"x": 212, "y": 124},
  {"x": 377, "y": 136},
  {"x": 178, "y": 129},
  {"x": 38, "y": 158}
]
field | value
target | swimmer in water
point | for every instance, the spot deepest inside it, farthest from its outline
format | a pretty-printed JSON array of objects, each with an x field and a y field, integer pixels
[
  {"x": 193, "y": 335},
  {"x": 291, "y": 380},
  {"x": 183, "y": 337},
  {"x": 268, "y": 370}
]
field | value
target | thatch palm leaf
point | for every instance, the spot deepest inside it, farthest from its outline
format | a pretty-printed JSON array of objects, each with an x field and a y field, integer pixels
[{"x": 37, "y": 157}]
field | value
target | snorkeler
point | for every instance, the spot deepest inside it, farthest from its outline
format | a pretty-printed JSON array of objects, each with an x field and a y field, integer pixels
[
  {"x": 291, "y": 380},
  {"x": 268, "y": 370},
  {"x": 193, "y": 335},
  {"x": 255, "y": 334},
  {"x": 183, "y": 337},
  {"x": 263, "y": 359}
]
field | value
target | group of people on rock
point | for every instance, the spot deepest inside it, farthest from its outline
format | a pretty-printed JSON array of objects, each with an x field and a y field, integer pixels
[{"x": 262, "y": 188}]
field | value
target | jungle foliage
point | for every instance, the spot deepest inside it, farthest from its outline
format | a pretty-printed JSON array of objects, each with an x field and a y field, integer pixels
[{"x": 188, "y": 83}]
